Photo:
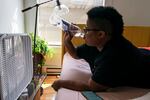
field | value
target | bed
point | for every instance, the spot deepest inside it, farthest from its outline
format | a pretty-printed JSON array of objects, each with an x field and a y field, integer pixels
[{"x": 74, "y": 69}]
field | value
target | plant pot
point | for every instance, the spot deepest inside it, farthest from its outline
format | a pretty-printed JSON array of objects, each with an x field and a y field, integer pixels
[{"x": 38, "y": 60}]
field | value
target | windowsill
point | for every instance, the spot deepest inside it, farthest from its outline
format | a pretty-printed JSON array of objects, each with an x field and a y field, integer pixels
[{"x": 55, "y": 43}]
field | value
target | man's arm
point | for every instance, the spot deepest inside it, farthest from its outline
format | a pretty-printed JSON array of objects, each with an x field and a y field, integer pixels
[
  {"x": 71, "y": 49},
  {"x": 70, "y": 84},
  {"x": 78, "y": 85},
  {"x": 69, "y": 46}
]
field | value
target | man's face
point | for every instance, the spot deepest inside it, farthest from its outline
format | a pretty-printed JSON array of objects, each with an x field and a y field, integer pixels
[{"x": 91, "y": 34}]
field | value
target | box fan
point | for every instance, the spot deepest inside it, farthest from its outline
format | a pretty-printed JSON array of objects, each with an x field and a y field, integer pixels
[{"x": 16, "y": 65}]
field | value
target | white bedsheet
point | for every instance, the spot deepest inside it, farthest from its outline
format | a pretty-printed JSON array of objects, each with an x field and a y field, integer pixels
[{"x": 74, "y": 69}]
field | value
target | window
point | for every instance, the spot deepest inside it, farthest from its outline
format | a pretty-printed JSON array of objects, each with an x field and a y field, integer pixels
[{"x": 77, "y": 14}]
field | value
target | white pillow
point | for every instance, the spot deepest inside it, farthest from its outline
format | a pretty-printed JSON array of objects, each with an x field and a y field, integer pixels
[{"x": 75, "y": 69}]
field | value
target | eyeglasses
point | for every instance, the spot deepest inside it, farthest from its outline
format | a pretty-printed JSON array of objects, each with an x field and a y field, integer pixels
[{"x": 86, "y": 30}]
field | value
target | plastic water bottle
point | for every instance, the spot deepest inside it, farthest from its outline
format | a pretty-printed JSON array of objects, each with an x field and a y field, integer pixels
[{"x": 66, "y": 26}]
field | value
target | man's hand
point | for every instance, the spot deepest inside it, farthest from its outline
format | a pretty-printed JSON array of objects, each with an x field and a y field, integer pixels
[
  {"x": 56, "y": 85},
  {"x": 70, "y": 84},
  {"x": 67, "y": 37}
]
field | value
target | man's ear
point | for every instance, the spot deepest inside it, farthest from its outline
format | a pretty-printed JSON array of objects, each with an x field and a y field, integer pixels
[{"x": 101, "y": 34}]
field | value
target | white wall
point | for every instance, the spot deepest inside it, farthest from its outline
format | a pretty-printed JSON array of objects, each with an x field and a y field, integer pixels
[
  {"x": 29, "y": 16},
  {"x": 135, "y": 12},
  {"x": 11, "y": 17}
]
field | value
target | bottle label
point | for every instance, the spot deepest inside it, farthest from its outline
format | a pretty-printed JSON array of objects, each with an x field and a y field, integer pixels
[
  {"x": 65, "y": 25},
  {"x": 71, "y": 28}
]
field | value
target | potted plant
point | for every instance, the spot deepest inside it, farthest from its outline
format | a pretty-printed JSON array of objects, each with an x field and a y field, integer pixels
[{"x": 41, "y": 50}]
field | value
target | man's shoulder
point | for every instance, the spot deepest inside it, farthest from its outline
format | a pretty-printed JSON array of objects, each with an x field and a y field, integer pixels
[{"x": 120, "y": 46}]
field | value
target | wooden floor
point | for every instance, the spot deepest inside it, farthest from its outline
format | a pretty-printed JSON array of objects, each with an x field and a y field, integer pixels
[{"x": 48, "y": 92}]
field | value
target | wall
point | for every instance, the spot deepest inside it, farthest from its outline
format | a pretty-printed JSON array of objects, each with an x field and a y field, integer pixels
[
  {"x": 136, "y": 19},
  {"x": 135, "y": 12},
  {"x": 29, "y": 16},
  {"x": 11, "y": 17}
]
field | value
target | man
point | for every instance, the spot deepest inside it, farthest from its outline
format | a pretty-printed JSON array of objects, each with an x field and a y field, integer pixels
[{"x": 114, "y": 61}]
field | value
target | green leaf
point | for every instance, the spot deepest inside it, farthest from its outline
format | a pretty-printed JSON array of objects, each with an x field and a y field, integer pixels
[{"x": 41, "y": 47}]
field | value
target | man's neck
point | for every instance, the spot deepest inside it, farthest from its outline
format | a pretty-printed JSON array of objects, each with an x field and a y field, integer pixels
[
  {"x": 103, "y": 43},
  {"x": 100, "y": 48}
]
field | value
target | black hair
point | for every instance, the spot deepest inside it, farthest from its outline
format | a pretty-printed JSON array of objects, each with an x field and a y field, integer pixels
[{"x": 105, "y": 15}]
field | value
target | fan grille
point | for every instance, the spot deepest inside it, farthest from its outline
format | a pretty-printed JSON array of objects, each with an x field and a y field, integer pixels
[{"x": 16, "y": 65}]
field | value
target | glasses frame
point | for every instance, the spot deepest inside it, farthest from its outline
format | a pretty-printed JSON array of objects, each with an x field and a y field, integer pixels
[{"x": 86, "y": 30}]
